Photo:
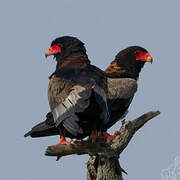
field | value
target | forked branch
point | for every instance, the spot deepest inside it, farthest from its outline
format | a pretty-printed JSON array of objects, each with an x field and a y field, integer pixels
[{"x": 112, "y": 149}]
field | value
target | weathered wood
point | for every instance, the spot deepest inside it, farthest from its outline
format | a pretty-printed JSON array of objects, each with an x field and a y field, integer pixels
[
  {"x": 128, "y": 129},
  {"x": 104, "y": 161},
  {"x": 81, "y": 147},
  {"x": 101, "y": 168}
]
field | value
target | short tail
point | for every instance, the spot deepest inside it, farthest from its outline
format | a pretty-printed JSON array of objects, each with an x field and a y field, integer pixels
[{"x": 45, "y": 128}]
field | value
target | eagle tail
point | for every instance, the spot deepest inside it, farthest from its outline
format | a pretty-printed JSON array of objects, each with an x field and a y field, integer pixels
[{"x": 45, "y": 128}]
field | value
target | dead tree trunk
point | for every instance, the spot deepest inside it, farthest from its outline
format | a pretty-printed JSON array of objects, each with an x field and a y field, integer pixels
[
  {"x": 104, "y": 168},
  {"x": 104, "y": 158}
]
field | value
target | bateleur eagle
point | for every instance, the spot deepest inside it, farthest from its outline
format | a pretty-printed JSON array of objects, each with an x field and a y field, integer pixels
[
  {"x": 76, "y": 92},
  {"x": 122, "y": 75}
]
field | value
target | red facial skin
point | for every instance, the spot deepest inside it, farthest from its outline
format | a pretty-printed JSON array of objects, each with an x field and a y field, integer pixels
[
  {"x": 143, "y": 56},
  {"x": 53, "y": 50}
]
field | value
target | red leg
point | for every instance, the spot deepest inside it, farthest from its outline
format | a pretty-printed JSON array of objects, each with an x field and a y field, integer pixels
[
  {"x": 109, "y": 137},
  {"x": 93, "y": 136},
  {"x": 62, "y": 141}
]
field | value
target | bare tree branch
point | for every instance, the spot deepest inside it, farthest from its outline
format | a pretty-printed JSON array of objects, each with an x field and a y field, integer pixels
[
  {"x": 100, "y": 167},
  {"x": 79, "y": 148},
  {"x": 112, "y": 149},
  {"x": 104, "y": 157},
  {"x": 128, "y": 129}
]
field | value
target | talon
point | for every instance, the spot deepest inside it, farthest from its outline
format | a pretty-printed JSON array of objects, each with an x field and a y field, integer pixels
[
  {"x": 93, "y": 136},
  {"x": 62, "y": 141},
  {"x": 109, "y": 137}
]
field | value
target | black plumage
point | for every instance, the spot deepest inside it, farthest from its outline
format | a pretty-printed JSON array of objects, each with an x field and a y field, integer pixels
[
  {"x": 76, "y": 93},
  {"x": 81, "y": 101},
  {"x": 122, "y": 75},
  {"x": 45, "y": 128}
]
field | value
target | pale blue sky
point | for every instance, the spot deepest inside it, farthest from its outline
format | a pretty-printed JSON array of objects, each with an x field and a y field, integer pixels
[{"x": 28, "y": 27}]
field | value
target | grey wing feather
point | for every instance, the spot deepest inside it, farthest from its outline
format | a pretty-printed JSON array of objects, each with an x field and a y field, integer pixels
[
  {"x": 120, "y": 94},
  {"x": 122, "y": 88},
  {"x": 65, "y": 113}
]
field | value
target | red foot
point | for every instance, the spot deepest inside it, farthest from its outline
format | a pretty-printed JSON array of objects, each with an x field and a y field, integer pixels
[
  {"x": 62, "y": 141},
  {"x": 93, "y": 136},
  {"x": 109, "y": 137}
]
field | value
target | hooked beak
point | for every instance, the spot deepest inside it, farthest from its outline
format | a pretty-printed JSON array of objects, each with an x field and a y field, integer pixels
[
  {"x": 48, "y": 53},
  {"x": 149, "y": 58}
]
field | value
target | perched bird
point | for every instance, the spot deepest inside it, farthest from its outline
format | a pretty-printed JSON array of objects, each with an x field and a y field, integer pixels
[
  {"x": 76, "y": 93},
  {"x": 122, "y": 75}
]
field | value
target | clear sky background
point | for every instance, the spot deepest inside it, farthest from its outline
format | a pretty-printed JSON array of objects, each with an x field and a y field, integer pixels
[{"x": 106, "y": 27}]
